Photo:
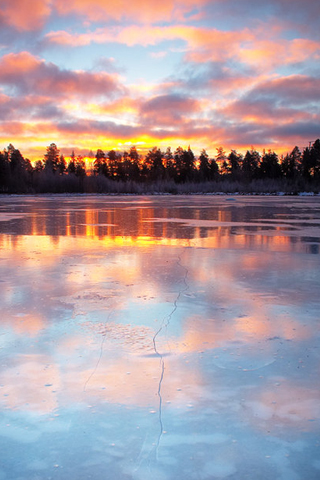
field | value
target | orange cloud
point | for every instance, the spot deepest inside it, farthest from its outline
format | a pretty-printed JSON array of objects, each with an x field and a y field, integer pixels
[
  {"x": 21, "y": 63},
  {"x": 269, "y": 54},
  {"x": 124, "y": 105},
  {"x": 17, "y": 13},
  {"x": 139, "y": 10}
]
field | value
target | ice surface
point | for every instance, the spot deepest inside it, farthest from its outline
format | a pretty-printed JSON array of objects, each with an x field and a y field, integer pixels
[{"x": 159, "y": 337}]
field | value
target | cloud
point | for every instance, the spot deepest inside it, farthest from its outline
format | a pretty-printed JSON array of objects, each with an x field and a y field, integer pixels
[
  {"x": 96, "y": 128},
  {"x": 208, "y": 43},
  {"x": 296, "y": 89},
  {"x": 121, "y": 10},
  {"x": 234, "y": 73},
  {"x": 37, "y": 107},
  {"x": 286, "y": 99},
  {"x": 214, "y": 81},
  {"x": 25, "y": 74},
  {"x": 24, "y": 16},
  {"x": 261, "y": 49},
  {"x": 262, "y": 112},
  {"x": 159, "y": 55},
  {"x": 275, "y": 112},
  {"x": 293, "y": 14},
  {"x": 12, "y": 129},
  {"x": 265, "y": 54},
  {"x": 168, "y": 110},
  {"x": 124, "y": 105}
]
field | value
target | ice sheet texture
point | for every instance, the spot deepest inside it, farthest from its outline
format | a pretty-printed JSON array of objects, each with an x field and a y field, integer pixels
[{"x": 159, "y": 337}]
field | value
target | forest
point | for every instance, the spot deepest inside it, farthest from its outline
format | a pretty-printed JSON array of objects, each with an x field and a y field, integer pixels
[{"x": 162, "y": 172}]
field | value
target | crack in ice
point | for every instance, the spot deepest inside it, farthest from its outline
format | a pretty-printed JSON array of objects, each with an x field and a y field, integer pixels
[
  {"x": 165, "y": 323},
  {"x": 100, "y": 355}
]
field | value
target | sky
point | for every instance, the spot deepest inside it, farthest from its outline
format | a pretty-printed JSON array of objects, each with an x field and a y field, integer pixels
[{"x": 89, "y": 74}]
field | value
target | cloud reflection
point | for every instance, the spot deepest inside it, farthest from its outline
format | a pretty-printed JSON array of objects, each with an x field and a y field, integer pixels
[{"x": 86, "y": 289}]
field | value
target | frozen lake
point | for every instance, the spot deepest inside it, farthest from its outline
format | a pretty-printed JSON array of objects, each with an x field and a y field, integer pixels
[{"x": 159, "y": 338}]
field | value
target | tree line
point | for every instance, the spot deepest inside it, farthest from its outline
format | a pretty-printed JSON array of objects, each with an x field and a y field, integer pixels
[{"x": 128, "y": 171}]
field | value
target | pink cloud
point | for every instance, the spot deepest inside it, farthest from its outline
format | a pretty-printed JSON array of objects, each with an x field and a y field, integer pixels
[
  {"x": 201, "y": 43},
  {"x": 137, "y": 10},
  {"x": 28, "y": 74},
  {"x": 24, "y": 15},
  {"x": 276, "y": 112},
  {"x": 265, "y": 54},
  {"x": 168, "y": 110},
  {"x": 263, "y": 113},
  {"x": 13, "y": 129},
  {"x": 262, "y": 49},
  {"x": 295, "y": 89},
  {"x": 28, "y": 107}
]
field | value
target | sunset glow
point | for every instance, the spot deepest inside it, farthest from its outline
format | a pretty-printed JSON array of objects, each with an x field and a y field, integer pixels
[{"x": 88, "y": 75}]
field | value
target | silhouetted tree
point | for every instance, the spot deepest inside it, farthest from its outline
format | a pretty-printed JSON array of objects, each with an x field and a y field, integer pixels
[
  {"x": 221, "y": 159},
  {"x": 168, "y": 161},
  {"x": 234, "y": 164},
  {"x": 250, "y": 164},
  {"x": 4, "y": 172},
  {"x": 112, "y": 163},
  {"x": 17, "y": 162},
  {"x": 71, "y": 168},
  {"x": 38, "y": 166},
  {"x": 154, "y": 164},
  {"x": 134, "y": 167},
  {"x": 269, "y": 166},
  {"x": 290, "y": 164},
  {"x": 62, "y": 165},
  {"x": 214, "y": 167},
  {"x": 204, "y": 166},
  {"x": 310, "y": 163},
  {"x": 100, "y": 164},
  {"x": 184, "y": 163},
  {"x": 18, "y": 175},
  {"x": 315, "y": 152},
  {"x": 80, "y": 167},
  {"x": 51, "y": 158}
]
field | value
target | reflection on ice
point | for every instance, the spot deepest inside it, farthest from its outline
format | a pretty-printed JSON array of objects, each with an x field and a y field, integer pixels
[{"x": 161, "y": 337}]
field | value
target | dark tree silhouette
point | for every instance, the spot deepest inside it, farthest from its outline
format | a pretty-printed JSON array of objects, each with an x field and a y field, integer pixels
[
  {"x": 234, "y": 164},
  {"x": 154, "y": 165},
  {"x": 62, "y": 165},
  {"x": 4, "y": 172},
  {"x": 310, "y": 163},
  {"x": 162, "y": 171},
  {"x": 113, "y": 160},
  {"x": 291, "y": 164},
  {"x": 214, "y": 167},
  {"x": 168, "y": 161},
  {"x": 100, "y": 164},
  {"x": 221, "y": 159},
  {"x": 71, "y": 168},
  {"x": 269, "y": 166},
  {"x": 184, "y": 163},
  {"x": 17, "y": 162},
  {"x": 204, "y": 167},
  {"x": 134, "y": 164},
  {"x": 51, "y": 158},
  {"x": 250, "y": 164},
  {"x": 38, "y": 166},
  {"x": 80, "y": 167}
]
